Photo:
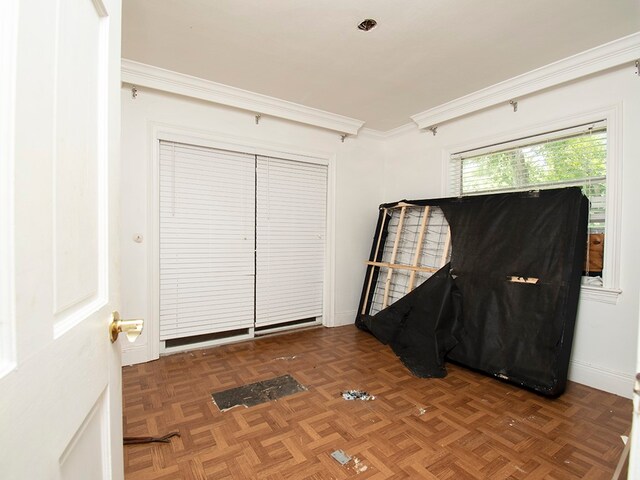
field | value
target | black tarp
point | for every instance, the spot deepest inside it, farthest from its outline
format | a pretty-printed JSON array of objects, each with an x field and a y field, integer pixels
[
  {"x": 519, "y": 332},
  {"x": 421, "y": 326}
]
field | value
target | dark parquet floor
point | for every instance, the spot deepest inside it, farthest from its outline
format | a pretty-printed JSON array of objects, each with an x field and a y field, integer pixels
[{"x": 464, "y": 426}]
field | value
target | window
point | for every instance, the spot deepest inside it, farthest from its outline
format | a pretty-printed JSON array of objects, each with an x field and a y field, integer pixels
[{"x": 562, "y": 158}]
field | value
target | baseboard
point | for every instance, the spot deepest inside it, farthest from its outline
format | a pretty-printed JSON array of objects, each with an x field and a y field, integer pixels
[
  {"x": 134, "y": 354},
  {"x": 344, "y": 318},
  {"x": 601, "y": 378}
]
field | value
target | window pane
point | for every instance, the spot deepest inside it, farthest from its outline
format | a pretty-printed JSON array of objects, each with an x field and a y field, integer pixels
[{"x": 568, "y": 161}]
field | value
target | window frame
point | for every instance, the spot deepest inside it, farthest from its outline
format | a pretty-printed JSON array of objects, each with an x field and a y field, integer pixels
[
  {"x": 220, "y": 140},
  {"x": 612, "y": 115}
]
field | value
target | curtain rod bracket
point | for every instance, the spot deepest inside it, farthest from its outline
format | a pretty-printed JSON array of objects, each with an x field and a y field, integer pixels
[
  {"x": 514, "y": 104},
  {"x": 343, "y": 136},
  {"x": 637, "y": 72},
  {"x": 134, "y": 92},
  {"x": 258, "y": 117},
  {"x": 433, "y": 129}
]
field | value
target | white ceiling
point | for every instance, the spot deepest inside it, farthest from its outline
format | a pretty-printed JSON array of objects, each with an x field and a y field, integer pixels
[{"x": 422, "y": 54}]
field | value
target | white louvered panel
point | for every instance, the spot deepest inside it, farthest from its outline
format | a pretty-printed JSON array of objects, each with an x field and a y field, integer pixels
[
  {"x": 207, "y": 237},
  {"x": 291, "y": 235}
]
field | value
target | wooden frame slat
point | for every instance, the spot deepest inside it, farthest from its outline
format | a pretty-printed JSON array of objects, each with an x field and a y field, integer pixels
[
  {"x": 375, "y": 255},
  {"x": 400, "y": 266}
]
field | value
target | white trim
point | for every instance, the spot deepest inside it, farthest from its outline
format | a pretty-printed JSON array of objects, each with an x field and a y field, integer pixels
[
  {"x": 329, "y": 301},
  {"x": 612, "y": 114},
  {"x": 599, "y": 294},
  {"x": 8, "y": 50},
  {"x": 161, "y": 131},
  {"x": 611, "y": 381},
  {"x": 402, "y": 129},
  {"x": 371, "y": 133},
  {"x": 153, "y": 244},
  {"x": 142, "y": 75},
  {"x": 611, "y": 273},
  {"x": 609, "y": 55}
]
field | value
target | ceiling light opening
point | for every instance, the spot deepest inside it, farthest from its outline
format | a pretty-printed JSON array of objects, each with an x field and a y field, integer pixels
[{"x": 368, "y": 24}]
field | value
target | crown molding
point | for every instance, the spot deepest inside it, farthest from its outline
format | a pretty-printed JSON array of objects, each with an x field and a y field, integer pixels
[
  {"x": 609, "y": 55},
  {"x": 370, "y": 132},
  {"x": 144, "y": 75},
  {"x": 402, "y": 129}
]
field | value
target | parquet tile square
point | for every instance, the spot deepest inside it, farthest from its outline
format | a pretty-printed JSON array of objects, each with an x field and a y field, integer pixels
[{"x": 464, "y": 426}]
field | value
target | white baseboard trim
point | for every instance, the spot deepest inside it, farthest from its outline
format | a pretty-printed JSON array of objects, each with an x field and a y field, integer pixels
[
  {"x": 610, "y": 381},
  {"x": 344, "y": 318},
  {"x": 135, "y": 354}
]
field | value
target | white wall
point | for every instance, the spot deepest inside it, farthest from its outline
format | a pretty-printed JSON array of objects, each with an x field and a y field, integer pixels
[
  {"x": 358, "y": 165},
  {"x": 604, "y": 348}
]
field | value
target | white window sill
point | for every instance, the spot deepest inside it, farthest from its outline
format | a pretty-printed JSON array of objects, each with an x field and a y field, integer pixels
[{"x": 599, "y": 294}]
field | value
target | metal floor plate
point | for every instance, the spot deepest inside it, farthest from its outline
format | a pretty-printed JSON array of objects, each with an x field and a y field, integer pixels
[{"x": 257, "y": 393}]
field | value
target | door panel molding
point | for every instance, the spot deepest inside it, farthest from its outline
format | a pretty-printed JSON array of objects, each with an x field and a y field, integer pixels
[
  {"x": 80, "y": 238},
  {"x": 94, "y": 429}
]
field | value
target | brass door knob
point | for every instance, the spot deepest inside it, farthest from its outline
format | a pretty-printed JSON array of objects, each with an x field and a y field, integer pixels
[{"x": 132, "y": 328}]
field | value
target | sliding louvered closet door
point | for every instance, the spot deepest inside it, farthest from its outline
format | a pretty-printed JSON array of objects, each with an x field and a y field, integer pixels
[
  {"x": 291, "y": 229},
  {"x": 207, "y": 240}
]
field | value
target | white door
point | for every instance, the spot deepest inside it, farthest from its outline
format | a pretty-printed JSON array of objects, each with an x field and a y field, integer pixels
[{"x": 60, "y": 399}]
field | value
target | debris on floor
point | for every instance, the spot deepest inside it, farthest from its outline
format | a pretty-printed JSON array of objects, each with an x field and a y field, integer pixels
[
  {"x": 357, "y": 395},
  {"x": 421, "y": 411},
  {"x": 358, "y": 466},
  {"x": 292, "y": 357},
  {"x": 257, "y": 393},
  {"x": 141, "y": 440},
  {"x": 341, "y": 457},
  {"x": 345, "y": 460}
]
